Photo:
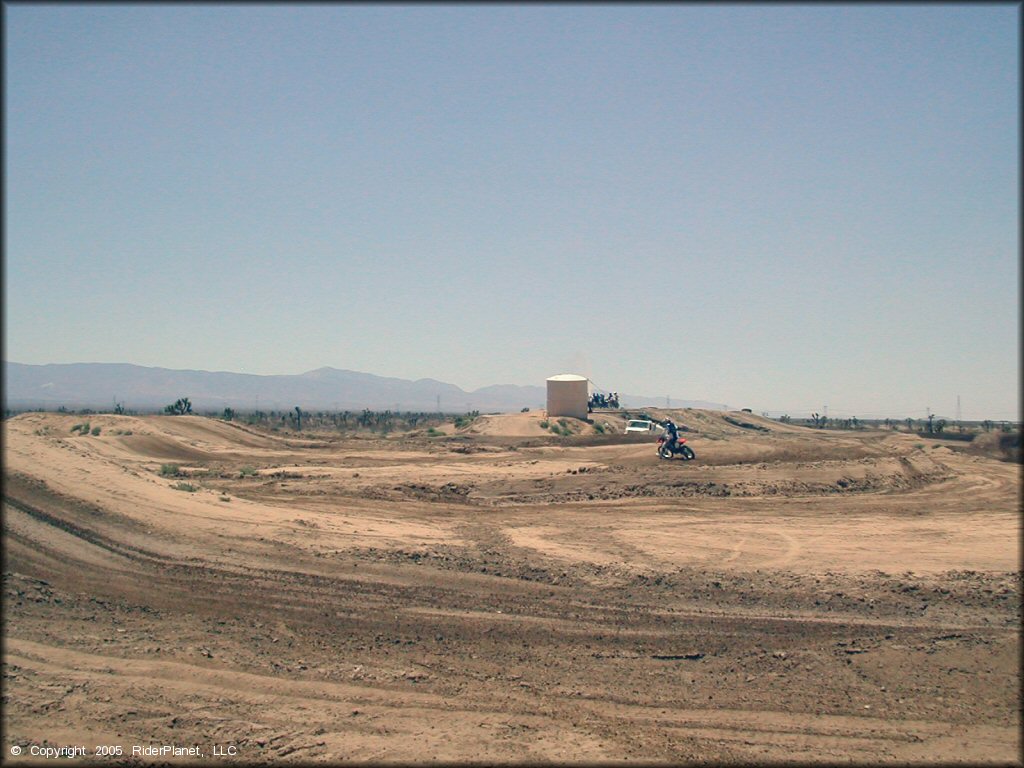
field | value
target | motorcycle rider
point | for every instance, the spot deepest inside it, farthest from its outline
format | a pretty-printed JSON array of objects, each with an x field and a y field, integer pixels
[{"x": 671, "y": 434}]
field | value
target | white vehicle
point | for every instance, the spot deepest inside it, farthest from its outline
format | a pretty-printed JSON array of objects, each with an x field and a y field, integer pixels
[{"x": 639, "y": 425}]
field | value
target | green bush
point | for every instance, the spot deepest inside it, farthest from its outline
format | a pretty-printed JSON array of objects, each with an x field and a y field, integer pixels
[
  {"x": 170, "y": 470},
  {"x": 185, "y": 487},
  {"x": 562, "y": 428},
  {"x": 95, "y": 430},
  {"x": 247, "y": 471},
  {"x": 466, "y": 419},
  {"x": 544, "y": 424}
]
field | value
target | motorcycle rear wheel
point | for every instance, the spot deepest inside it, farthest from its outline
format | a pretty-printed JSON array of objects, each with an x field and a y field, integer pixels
[{"x": 664, "y": 452}]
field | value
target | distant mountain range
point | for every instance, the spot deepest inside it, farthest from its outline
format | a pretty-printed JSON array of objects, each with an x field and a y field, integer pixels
[{"x": 101, "y": 385}]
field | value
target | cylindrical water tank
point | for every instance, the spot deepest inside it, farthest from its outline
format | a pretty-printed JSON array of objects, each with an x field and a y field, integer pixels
[{"x": 567, "y": 395}]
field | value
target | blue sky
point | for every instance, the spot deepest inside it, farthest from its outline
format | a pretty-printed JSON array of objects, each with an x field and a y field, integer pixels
[{"x": 776, "y": 207}]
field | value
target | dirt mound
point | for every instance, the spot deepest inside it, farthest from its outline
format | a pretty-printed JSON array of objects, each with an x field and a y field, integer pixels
[
  {"x": 530, "y": 424},
  {"x": 508, "y": 425},
  {"x": 698, "y": 421},
  {"x": 1005, "y": 446},
  {"x": 221, "y": 434},
  {"x": 163, "y": 448}
]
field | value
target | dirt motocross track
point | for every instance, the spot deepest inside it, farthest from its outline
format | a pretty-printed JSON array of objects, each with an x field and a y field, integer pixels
[{"x": 500, "y": 594}]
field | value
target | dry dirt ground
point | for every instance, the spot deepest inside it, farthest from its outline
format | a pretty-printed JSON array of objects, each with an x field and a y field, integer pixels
[{"x": 503, "y": 595}]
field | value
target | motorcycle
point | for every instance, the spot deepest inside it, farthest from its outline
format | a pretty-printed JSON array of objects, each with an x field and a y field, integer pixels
[{"x": 679, "y": 449}]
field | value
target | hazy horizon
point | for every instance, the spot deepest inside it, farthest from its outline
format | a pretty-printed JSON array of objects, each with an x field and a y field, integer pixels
[
  {"x": 629, "y": 399},
  {"x": 827, "y": 195}
]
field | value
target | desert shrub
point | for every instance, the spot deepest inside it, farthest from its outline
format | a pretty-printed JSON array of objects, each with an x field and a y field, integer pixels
[
  {"x": 179, "y": 408},
  {"x": 170, "y": 470},
  {"x": 185, "y": 487},
  {"x": 544, "y": 424},
  {"x": 83, "y": 428},
  {"x": 247, "y": 471},
  {"x": 225, "y": 498},
  {"x": 434, "y": 432},
  {"x": 95, "y": 430},
  {"x": 344, "y": 421},
  {"x": 562, "y": 428},
  {"x": 466, "y": 419}
]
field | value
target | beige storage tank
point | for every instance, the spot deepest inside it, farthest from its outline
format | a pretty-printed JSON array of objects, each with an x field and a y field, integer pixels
[{"x": 567, "y": 395}]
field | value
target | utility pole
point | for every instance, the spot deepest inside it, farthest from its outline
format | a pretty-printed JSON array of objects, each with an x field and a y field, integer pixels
[
  {"x": 667, "y": 401},
  {"x": 958, "y": 409}
]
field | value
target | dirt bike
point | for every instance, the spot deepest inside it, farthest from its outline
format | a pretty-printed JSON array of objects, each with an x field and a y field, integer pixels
[{"x": 679, "y": 449}]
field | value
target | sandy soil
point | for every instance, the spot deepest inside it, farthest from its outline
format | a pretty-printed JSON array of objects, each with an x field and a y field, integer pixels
[{"x": 500, "y": 594}]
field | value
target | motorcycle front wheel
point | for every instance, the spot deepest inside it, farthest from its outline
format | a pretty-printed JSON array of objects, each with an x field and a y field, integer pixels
[{"x": 687, "y": 452}]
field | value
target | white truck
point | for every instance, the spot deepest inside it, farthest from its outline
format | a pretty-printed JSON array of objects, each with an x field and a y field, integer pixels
[{"x": 640, "y": 425}]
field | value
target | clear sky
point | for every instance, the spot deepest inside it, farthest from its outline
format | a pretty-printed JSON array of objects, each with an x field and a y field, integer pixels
[{"x": 770, "y": 206}]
